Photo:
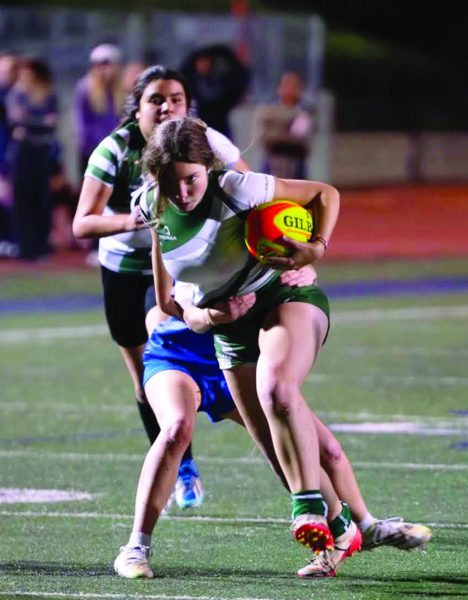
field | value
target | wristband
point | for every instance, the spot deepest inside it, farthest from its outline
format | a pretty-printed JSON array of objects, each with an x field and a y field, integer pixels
[{"x": 322, "y": 240}]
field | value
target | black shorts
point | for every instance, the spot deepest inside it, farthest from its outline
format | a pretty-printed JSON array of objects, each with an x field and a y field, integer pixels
[{"x": 126, "y": 306}]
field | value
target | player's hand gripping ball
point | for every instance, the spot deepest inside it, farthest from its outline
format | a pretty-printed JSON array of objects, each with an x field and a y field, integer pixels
[{"x": 266, "y": 225}]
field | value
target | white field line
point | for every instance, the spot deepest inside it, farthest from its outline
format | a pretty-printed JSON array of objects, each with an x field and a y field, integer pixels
[
  {"x": 12, "y": 407},
  {"x": 242, "y": 460},
  {"x": 391, "y": 380},
  {"x": 52, "y": 333},
  {"x": 403, "y": 314},
  {"x": 193, "y": 519},
  {"x": 404, "y": 428},
  {"x": 355, "y": 316},
  {"x": 361, "y": 350},
  {"x": 125, "y": 596},
  {"x": 328, "y": 416}
]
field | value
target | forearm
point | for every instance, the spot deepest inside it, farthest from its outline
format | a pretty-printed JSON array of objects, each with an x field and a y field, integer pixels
[
  {"x": 96, "y": 226},
  {"x": 162, "y": 280},
  {"x": 321, "y": 199},
  {"x": 325, "y": 210},
  {"x": 199, "y": 320}
]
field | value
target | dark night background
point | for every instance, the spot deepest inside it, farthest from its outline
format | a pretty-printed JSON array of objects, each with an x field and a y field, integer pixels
[
  {"x": 395, "y": 65},
  {"x": 398, "y": 66}
]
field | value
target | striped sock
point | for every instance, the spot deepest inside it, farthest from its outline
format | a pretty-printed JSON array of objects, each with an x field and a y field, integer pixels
[
  {"x": 340, "y": 524},
  {"x": 308, "y": 501}
]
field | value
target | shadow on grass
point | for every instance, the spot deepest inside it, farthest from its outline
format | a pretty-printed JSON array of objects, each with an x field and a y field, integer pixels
[
  {"x": 403, "y": 586},
  {"x": 433, "y": 586},
  {"x": 54, "y": 569}
]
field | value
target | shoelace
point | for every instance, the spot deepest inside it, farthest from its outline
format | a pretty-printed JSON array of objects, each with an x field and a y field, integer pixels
[
  {"x": 386, "y": 528},
  {"x": 323, "y": 559},
  {"x": 133, "y": 553}
]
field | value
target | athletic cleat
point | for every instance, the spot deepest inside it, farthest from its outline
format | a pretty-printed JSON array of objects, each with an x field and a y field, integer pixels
[
  {"x": 395, "y": 532},
  {"x": 326, "y": 563},
  {"x": 312, "y": 532},
  {"x": 132, "y": 562},
  {"x": 188, "y": 489}
]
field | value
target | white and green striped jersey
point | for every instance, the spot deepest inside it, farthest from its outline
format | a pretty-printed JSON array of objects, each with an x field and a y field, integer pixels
[
  {"x": 117, "y": 163},
  {"x": 205, "y": 247}
]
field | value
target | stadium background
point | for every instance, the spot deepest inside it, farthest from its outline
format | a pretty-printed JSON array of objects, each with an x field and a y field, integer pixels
[{"x": 393, "y": 137}]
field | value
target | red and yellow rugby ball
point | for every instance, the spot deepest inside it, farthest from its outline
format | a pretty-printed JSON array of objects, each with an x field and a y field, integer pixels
[{"x": 267, "y": 223}]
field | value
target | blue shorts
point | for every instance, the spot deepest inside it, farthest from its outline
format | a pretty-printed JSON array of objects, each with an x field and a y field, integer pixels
[{"x": 174, "y": 347}]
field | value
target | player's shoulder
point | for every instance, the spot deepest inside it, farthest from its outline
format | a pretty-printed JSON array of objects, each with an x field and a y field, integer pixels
[
  {"x": 115, "y": 145},
  {"x": 246, "y": 189},
  {"x": 222, "y": 146}
]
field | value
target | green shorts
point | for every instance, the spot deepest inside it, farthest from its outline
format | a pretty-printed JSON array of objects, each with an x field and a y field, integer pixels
[{"x": 237, "y": 343}]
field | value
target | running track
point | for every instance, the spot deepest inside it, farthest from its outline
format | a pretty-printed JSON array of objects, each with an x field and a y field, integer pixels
[{"x": 375, "y": 223}]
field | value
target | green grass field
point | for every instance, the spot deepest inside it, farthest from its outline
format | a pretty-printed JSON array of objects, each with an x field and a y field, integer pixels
[{"x": 68, "y": 422}]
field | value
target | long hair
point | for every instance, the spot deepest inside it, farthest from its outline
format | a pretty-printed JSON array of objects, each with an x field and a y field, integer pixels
[
  {"x": 98, "y": 92},
  {"x": 153, "y": 73},
  {"x": 179, "y": 140}
]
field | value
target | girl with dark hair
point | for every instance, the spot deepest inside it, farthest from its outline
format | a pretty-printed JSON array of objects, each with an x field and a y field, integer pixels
[{"x": 114, "y": 172}]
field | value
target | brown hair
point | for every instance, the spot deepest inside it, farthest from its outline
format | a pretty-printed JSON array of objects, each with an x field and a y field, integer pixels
[{"x": 179, "y": 140}]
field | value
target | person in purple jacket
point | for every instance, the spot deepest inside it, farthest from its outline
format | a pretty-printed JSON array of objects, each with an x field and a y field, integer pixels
[
  {"x": 32, "y": 113},
  {"x": 98, "y": 100}
]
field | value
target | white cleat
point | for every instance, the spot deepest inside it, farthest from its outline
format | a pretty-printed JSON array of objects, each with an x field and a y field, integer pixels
[
  {"x": 395, "y": 532},
  {"x": 132, "y": 562}
]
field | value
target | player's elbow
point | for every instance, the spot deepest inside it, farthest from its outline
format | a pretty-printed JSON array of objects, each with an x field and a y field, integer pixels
[{"x": 79, "y": 228}]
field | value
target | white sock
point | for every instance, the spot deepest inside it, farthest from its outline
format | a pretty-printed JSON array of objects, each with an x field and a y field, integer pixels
[
  {"x": 366, "y": 522},
  {"x": 137, "y": 538}
]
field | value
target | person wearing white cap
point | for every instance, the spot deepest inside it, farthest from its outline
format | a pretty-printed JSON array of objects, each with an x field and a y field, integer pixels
[
  {"x": 105, "y": 53},
  {"x": 98, "y": 99}
]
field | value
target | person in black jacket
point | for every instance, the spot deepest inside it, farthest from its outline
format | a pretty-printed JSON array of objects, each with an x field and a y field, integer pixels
[{"x": 218, "y": 80}]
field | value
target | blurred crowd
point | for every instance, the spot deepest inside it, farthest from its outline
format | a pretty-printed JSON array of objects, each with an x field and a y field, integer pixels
[{"x": 37, "y": 197}]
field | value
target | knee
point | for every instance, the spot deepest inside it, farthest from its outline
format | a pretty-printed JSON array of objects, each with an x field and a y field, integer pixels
[
  {"x": 277, "y": 398},
  {"x": 178, "y": 434},
  {"x": 331, "y": 454}
]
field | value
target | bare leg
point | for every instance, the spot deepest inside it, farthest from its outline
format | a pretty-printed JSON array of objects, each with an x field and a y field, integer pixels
[
  {"x": 339, "y": 469},
  {"x": 174, "y": 398},
  {"x": 286, "y": 357}
]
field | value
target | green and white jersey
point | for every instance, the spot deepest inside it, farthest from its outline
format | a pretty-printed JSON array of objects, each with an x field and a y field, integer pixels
[
  {"x": 205, "y": 247},
  {"x": 117, "y": 163}
]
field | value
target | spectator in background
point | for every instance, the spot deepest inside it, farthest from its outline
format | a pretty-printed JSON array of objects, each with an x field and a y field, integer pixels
[
  {"x": 218, "y": 80},
  {"x": 8, "y": 73},
  {"x": 98, "y": 100},
  {"x": 285, "y": 130},
  {"x": 32, "y": 114}
]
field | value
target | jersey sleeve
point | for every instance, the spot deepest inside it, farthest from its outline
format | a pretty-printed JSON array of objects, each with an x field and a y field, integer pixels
[
  {"x": 104, "y": 161},
  {"x": 222, "y": 146},
  {"x": 249, "y": 189}
]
